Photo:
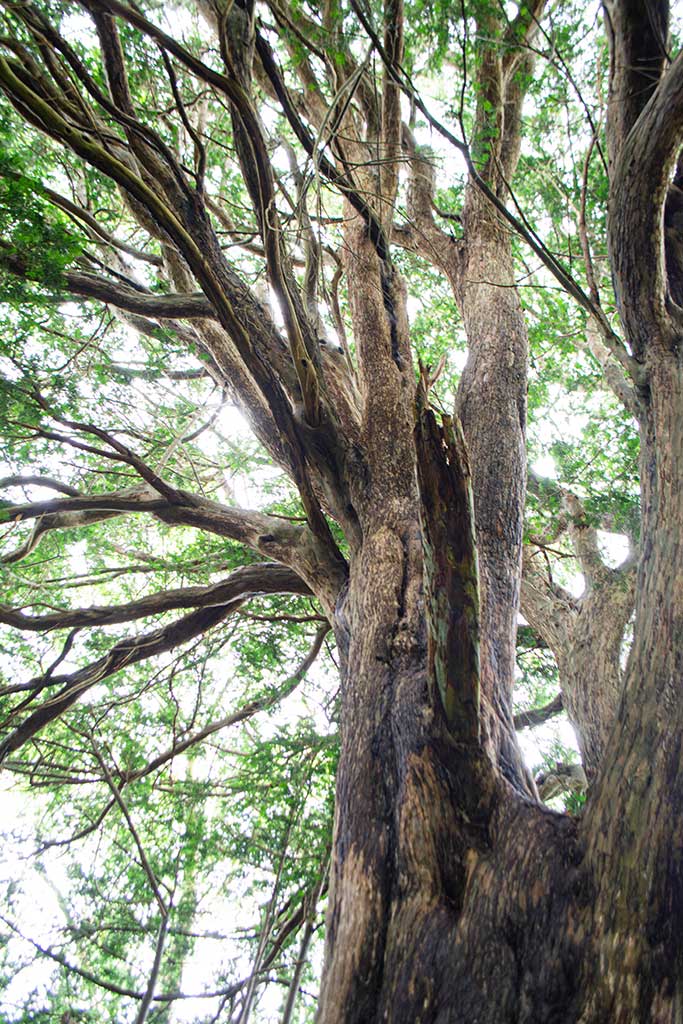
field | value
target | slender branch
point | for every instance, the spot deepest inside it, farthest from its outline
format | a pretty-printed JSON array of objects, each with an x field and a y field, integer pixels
[
  {"x": 390, "y": 149},
  {"x": 122, "y": 452},
  {"x": 37, "y": 480},
  {"x": 144, "y": 861},
  {"x": 87, "y": 830},
  {"x": 59, "y": 958},
  {"x": 94, "y": 226},
  {"x": 129, "y": 373},
  {"x": 247, "y": 710},
  {"x": 583, "y": 231},
  {"x": 62, "y": 520},
  {"x": 310, "y": 912},
  {"x": 375, "y": 231},
  {"x": 538, "y": 716},
  {"x": 266, "y": 927},
  {"x": 154, "y": 973},
  {"x": 121, "y": 990}
]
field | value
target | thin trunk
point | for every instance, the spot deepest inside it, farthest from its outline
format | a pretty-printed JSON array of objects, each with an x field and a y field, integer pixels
[
  {"x": 310, "y": 913},
  {"x": 491, "y": 404},
  {"x": 586, "y": 637}
]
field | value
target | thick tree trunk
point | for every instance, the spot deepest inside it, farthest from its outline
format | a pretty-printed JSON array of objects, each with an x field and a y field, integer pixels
[
  {"x": 636, "y": 844},
  {"x": 442, "y": 872},
  {"x": 453, "y": 899}
]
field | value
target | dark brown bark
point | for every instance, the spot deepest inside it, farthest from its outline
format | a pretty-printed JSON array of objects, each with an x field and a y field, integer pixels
[{"x": 638, "y": 35}]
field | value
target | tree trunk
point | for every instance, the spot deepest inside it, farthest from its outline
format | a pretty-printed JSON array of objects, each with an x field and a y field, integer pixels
[
  {"x": 491, "y": 404},
  {"x": 453, "y": 898},
  {"x": 586, "y": 637},
  {"x": 636, "y": 845}
]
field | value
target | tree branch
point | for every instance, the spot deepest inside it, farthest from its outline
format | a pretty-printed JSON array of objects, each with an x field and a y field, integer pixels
[
  {"x": 165, "y": 997},
  {"x": 292, "y": 544},
  {"x": 549, "y": 609},
  {"x": 247, "y": 710},
  {"x": 637, "y": 32},
  {"x": 128, "y": 652},
  {"x": 61, "y": 514},
  {"x": 390, "y": 135},
  {"x": 584, "y": 539},
  {"x": 144, "y": 861},
  {"x": 161, "y": 307},
  {"x": 146, "y": 1002},
  {"x": 537, "y": 716},
  {"x": 635, "y": 224},
  {"x": 247, "y": 581},
  {"x": 37, "y": 480}
]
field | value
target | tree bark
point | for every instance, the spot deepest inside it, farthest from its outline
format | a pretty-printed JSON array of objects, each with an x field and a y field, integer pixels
[
  {"x": 491, "y": 404},
  {"x": 586, "y": 637}
]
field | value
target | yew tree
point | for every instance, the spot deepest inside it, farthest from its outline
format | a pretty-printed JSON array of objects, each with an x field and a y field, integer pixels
[{"x": 406, "y": 242}]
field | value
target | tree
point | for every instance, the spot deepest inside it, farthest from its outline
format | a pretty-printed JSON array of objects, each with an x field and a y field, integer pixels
[{"x": 247, "y": 194}]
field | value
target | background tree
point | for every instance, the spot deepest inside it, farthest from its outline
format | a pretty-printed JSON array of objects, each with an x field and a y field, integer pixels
[{"x": 257, "y": 208}]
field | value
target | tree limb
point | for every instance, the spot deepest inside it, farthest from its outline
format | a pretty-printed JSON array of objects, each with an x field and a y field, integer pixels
[
  {"x": 37, "y": 480},
  {"x": 247, "y": 710},
  {"x": 126, "y": 652},
  {"x": 122, "y": 990},
  {"x": 537, "y": 716},
  {"x": 250, "y": 580},
  {"x": 146, "y": 1001},
  {"x": 637, "y": 32},
  {"x": 635, "y": 224},
  {"x": 144, "y": 861}
]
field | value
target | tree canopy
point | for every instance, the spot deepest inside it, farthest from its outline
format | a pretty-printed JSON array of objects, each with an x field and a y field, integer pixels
[{"x": 209, "y": 213}]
